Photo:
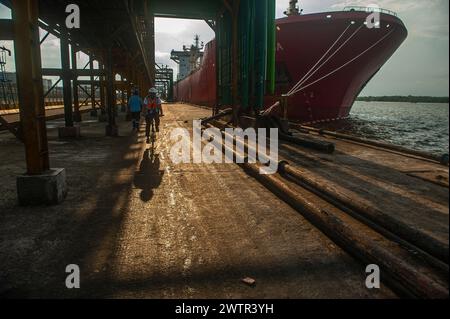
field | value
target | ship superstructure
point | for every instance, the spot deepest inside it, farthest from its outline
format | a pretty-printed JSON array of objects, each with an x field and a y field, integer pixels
[{"x": 189, "y": 59}]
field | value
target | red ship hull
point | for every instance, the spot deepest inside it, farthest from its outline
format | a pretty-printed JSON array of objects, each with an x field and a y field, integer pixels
[{"x": 303, "y": 41}]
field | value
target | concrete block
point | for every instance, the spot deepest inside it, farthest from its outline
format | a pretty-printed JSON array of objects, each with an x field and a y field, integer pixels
[
  {"x": 49, "y": 188},
  {"x": 112, "y": 131},
  {"x": 249, "y": 281},
  {"x": 69, "y": 132}
]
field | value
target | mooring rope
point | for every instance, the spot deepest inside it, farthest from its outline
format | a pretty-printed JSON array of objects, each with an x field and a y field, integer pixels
[
  {"x": 344, "y": 65},
  {"x": 320, "y": 60},
  {"x": 314, "y": 70}
]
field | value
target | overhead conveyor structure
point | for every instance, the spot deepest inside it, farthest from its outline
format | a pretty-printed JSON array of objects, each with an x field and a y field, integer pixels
[
  {"x": 164, "y": 82},
  {"x": 119, "y": 35}
]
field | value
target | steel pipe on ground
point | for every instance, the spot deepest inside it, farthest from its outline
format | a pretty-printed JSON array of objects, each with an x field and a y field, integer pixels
[
  {"x": 444, "y": 159},
  {"x": 217, "y": 116},
  {"x": 310, "y": 143},
  {"x": 414, "y": 280},
  {"x": 411, "y": 235},
  {"x": 401, "y": 275},
  {"x": 322, "y": 146},
  {"x": 384, "y": 222}
]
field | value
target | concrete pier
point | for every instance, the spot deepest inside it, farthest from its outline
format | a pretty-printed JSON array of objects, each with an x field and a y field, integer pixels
[{"x": 139, "y": 226}]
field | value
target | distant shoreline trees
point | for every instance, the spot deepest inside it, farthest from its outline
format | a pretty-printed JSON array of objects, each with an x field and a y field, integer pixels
[{"x": 407, "y": 99}]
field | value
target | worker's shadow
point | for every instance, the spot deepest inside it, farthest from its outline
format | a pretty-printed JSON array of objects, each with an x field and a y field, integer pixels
[{"x": 149, "y": 176}]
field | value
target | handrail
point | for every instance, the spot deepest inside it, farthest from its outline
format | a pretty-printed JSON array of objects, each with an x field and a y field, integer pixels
[{"x": 370, "y": 9}]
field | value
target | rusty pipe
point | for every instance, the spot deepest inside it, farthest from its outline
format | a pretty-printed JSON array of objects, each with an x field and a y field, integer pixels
[
  {"x": 406, "y": 232},
  {"x": 444, "y": 159},
  {"x": 400, "y": 274},
  {"x": 322, "y": 146}
]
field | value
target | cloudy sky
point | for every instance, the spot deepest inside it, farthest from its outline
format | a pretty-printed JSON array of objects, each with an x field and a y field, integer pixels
[{"x": 419, "y": 67}]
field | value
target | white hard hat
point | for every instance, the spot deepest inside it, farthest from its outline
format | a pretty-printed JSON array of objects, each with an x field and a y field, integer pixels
[{"x": 153, "y": 90}]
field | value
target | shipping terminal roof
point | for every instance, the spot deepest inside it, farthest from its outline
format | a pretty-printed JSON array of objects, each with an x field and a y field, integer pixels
[{"x": 123, "y": 23}]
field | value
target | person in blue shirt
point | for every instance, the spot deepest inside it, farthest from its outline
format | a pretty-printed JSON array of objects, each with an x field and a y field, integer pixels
[{"x": 135, "y": 104}]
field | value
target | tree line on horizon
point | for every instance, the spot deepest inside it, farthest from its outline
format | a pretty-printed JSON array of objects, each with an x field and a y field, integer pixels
[{"x": 408, "y": 99}]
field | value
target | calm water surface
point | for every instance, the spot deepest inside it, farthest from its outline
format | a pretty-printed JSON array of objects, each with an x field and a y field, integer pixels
[{"x": 418, "y": 126}]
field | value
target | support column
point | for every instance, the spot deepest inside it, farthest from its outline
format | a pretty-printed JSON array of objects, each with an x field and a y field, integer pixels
[
  {"x": 134, "y": 79},
  {"x": 111, "y": 128},
  {"x": 76, "y": 102},
  {"x": 130, "y": 80},
  {"x": 152, "y": 61},
  {"x": 234, "y": 61},
  {"x": 66, "y": 79},
  {"x": 150, "y": 17},
  {"x": 216, "y": 107},
  {"x": 40, "y": 185},
  {"x": 122, "y": 95},
  {"x": 102, "y": 116},
  {"x": 140, "y": 85},
  {"x": 69, "y": 131},
  {"x": 93, "y": 89},
  {"x": 128, "y": 118},
  {"x": 171, "y": 87}
]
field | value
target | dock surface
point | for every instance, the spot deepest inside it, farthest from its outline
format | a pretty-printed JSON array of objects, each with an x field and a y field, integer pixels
[
  {"x": 141, "y": 227},
  {"x": 408, "y": 190}
]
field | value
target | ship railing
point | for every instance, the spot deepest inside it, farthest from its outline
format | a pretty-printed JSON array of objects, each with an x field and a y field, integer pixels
[{"x": 370, "y": 10}]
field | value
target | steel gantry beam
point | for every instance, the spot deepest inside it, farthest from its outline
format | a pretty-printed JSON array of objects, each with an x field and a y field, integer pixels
[
  {"x": 164, "y": 81},
  {"x": 73, "y": 73},
  {"x": 129, "y": 33},
  {"x": 6, "y": 30},
  {"x": 142, "y": 22},
  {"x": 186, "y": 9}
]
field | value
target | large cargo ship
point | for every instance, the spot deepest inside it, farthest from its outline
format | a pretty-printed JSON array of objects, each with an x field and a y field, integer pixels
[{"x": 323, "y": 61}]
